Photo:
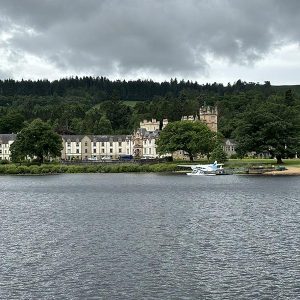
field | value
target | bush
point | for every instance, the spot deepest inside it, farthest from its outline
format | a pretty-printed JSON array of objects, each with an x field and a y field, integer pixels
[
  {"x": 218, "y": 154},
  {"x": 35, "y": 169},
  {"x": 23, "y": 170},
  {"x": 11, "y": 169}
]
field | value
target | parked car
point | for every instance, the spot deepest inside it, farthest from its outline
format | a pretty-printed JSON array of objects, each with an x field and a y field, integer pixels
[
  {"x": 92, "y": 158},
  {"x": 106, "y": 158},
  {"x": 125, "y": 157}
]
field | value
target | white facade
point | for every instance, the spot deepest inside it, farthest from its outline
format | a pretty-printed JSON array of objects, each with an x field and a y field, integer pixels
[
  {"x": 5, "y": 142},
  {"x": 95, "y": 147},
  {"x": 149, "y": 147}
]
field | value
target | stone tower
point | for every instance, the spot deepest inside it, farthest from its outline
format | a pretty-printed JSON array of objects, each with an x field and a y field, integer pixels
[{"x": 209, "y": 116}]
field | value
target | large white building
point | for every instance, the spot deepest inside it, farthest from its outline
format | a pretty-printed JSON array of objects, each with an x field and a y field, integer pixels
[
  {"x": 142, "y": 143},
  {"x": 95, "y": 147}
]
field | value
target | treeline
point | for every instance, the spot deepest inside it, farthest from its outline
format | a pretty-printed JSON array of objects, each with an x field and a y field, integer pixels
[
  {"x": 102, "y": 88},
  {"x": 91, "y": 105}
]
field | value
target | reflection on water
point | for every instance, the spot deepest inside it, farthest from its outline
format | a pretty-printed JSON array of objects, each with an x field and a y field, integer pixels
[{"x": 148, "y": 236}]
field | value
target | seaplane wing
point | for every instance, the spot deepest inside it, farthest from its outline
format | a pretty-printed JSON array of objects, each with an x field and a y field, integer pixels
[
  {"x": 187, "y": 166},
  {"x": 208, "y": 167}
]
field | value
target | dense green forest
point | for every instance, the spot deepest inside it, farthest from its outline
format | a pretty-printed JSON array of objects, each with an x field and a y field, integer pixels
[{"x": 91, "y": 105}]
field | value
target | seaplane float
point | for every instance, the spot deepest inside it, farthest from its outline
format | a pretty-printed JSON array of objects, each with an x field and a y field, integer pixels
[{"x": 208, "y": 170}]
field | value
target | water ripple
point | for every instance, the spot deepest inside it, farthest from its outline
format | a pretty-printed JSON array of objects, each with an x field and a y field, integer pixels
[{"x": 147, "y": 236}]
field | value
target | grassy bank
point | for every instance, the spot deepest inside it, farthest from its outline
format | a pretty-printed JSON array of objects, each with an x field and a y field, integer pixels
[
  {"x": 14, "y": 169},
  {"x": 246, "y": 162}
]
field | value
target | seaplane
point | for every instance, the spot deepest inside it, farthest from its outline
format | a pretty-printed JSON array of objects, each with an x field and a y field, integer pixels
[{"x": 209, "y": 169}]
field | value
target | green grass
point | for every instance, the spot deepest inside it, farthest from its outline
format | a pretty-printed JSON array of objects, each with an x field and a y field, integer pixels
[{"x": 247, "y": 162}]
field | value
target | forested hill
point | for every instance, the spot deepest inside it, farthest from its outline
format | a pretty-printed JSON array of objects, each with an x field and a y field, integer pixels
[{"x": 91, "y": 105}]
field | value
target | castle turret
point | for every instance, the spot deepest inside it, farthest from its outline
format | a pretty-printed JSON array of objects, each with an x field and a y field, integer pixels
[
  {"x": 209, "y": 116},
  {"x": 152, "y": 125}
]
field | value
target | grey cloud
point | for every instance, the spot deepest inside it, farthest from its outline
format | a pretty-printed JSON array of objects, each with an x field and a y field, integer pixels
[{"x": 167, "y": 37}]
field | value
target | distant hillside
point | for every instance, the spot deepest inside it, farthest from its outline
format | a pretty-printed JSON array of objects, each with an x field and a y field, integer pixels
[
  {"x": 283, "y": 88},
  {"x": 98, "y": 105}
]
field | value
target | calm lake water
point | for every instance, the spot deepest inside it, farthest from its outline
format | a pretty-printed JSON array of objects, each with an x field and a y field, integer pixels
[{"x": 149, "y": 236}]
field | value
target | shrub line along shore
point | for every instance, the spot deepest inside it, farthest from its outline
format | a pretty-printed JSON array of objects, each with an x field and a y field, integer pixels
[{"x": 15, "y": 169}]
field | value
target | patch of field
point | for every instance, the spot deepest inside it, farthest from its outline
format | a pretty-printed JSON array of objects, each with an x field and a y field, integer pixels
[
  {"x": 130, "y": 103},
  {"x": 284, "y": 88}
]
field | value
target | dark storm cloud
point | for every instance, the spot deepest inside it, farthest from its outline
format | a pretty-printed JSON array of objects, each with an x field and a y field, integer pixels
[{"x": 165, "y": 37}]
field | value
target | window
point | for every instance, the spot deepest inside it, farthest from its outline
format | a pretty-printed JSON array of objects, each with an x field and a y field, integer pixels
[
  {"x": 95, "y": 150},
  {"x": 77, "y": 150},
  {"x": 95, "y": 144},
  {"x": 102, "y": 144},
  {"x": 77, "y": 144},
  {"x": 102, "y": 151},
  {"x": 120, "y": 144},
  {"x": 110, "y": 150},
  {"x": 85, "y": 144},
  {"x": 0, "y": 151},
  {"x": 110, "y": 144},
  {"x": 69, "y": 144},
  {"x": 85, "y": 150},
  {"x": 120, "y": 150}
]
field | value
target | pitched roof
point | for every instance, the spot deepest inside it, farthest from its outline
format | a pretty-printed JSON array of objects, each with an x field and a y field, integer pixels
[{"x": 5, "y": 138}]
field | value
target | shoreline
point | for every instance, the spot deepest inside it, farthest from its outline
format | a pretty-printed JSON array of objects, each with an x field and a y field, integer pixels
[{"x": 290, "y": 171}]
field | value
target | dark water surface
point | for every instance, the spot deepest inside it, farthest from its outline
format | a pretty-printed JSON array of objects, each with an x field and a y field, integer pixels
[{"x": 149, "y": 236}]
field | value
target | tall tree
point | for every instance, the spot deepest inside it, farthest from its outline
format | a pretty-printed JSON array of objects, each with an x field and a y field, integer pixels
[
  {"x": 104, "y": 126},
  {"x": 270, "y": 127},
  {"x": 37, "y": 141},
  {"x": 192, "y": 137},
  {"x": 12, "y": 122}
]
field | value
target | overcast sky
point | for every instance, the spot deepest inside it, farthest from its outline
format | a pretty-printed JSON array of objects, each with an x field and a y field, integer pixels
[{"x": 199, "y": 40}]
